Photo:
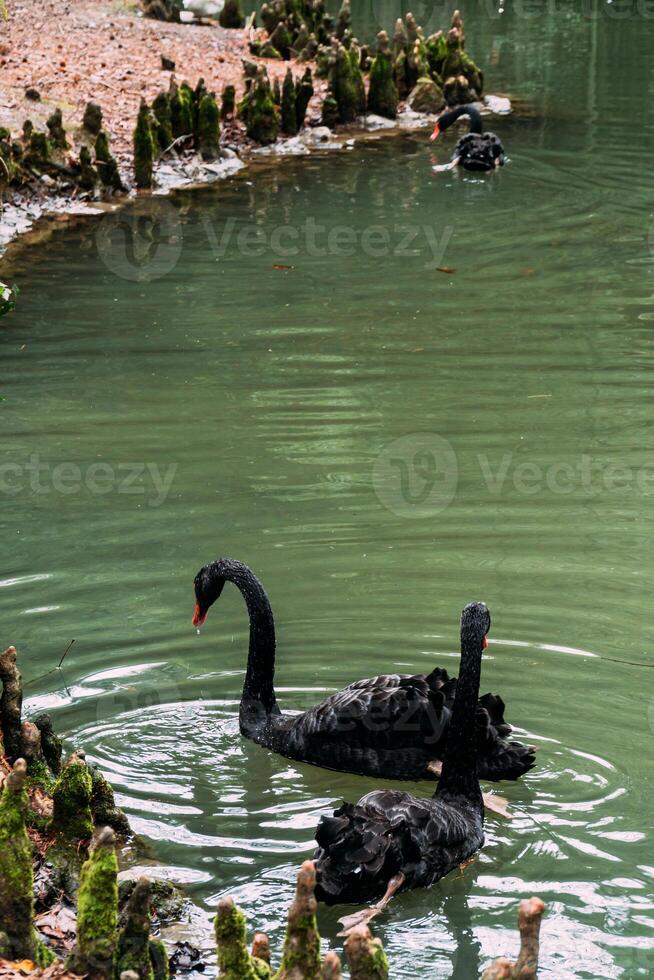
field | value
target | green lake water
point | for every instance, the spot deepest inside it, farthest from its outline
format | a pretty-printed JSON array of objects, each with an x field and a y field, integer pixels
[{"x": 382, "y": 442}]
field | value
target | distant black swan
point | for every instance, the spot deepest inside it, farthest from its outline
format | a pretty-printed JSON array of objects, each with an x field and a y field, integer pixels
[
  {"x": 476, "y": 150},
  {"x": 391, "y": 726},
  {"x": 391, "y": 841}
]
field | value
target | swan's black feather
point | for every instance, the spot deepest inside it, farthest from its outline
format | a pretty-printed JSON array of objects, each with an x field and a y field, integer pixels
[
  {"x": 479, "y": 152},
  {"x": 389, "y": 831},
  {"x": 392, "y": 726}
]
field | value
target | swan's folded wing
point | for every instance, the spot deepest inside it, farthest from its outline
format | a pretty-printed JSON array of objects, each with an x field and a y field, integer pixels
[{"x": 391, "y": 711}]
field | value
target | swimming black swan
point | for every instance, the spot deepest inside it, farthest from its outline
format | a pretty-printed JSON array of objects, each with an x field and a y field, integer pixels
[
  {"x": 476, "y": 150},
  {"x": 390, "y": 726},
  {"x": 391, "y": 841}
]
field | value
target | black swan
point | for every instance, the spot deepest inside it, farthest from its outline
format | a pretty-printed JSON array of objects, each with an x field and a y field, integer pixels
[
  {"x": 391, "y": 841},
  {"x": 476, "y": 150},
  {"x": 391, "y": 726}
]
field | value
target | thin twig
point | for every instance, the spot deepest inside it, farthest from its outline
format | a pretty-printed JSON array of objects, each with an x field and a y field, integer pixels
[
  {"x": 186, "y": 136},
  {"x": 65, "y": 654}
]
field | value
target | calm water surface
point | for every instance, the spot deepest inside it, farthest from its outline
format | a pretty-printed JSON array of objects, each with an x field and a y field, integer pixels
[{"x": 382, "y": 442}]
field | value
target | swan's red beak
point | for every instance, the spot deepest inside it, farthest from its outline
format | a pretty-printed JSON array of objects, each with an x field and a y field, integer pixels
[
  {"x": 435, "y": 134},
  {"x": 484, "y": 645},
  {"x": 198, "y": 618}
]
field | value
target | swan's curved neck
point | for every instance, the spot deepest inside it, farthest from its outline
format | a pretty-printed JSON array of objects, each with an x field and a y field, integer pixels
[
  {"x": 459, "y": 773},
  {"x": 446, "y": 120},
  {"x": 258, "y": 689}
]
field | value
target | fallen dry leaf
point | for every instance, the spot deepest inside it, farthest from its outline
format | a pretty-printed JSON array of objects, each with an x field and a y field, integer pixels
[
  {"x": 445, "y": 268},
  {"x": 283, "y": 268}
]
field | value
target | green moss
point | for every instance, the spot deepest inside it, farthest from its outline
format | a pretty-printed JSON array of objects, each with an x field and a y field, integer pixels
[
  {"x": 162, "y": 115},
  {"x": 133, "y": 947},
  {"x": 231, "y": 16},
  {"x": 107, "y": 168},
  {"x": 57, "y": 132},
  {"x": 97, "y": 912},
  {"x": 144, "y": 147},
  {"x": 103, "y": 805},
  {"x": 88, "y": 175},
  {"x": 234, "y": 960},
  {"x": 436, "y": 45},
  {"x": 417, "y": 62},
  {"x": 159, "y": 960},
  {"x": 228, "y": 103},
  {"x": 92, "y": 121},
  {"x": 259, "y": 112},
  {"x": 382, "y": 92},
  {"x": 301, "y": 954},
  {"x": 71, "y": 815},
  {"x": 208, "y": 128},
  {"x": 344, "y": 76},
  {"x": 36, "y": 158},
  {"x": 282, "y": 40},
  {"x": 181, "y": 110},
  {"x": 303, "y": 95},
  {"x": 268, "y": 50},
  {"x": 458, "y": 62},
  {"x": 329, "y": 113},
  {"x": 38, "y": 774},
  {"x": 289, "y": 113},
  {"x": 19, "y": 939},
  {"x": 365, "y": 956}
]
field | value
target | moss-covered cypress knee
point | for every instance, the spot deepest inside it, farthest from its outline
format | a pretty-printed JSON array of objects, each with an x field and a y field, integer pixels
[
  {"x": 106, "y": 164},
  {"x": 133, "y": 947},
  {"x": 208, "y": 128},
  {"x": 181, "y": 110},
  {"x": 344, "y": 20},
  {"x": 92, "y": 121},
  {"x": 161, "y": 113},
  {"x": 289, "y": 114},
  {"x": 303, "y": 95},
  {"x": 57, "y": 132},
  {"x": 19, "y": 940},
  {"x": 301, "y": 956},
  {"x": 50, "y": 743},
  {"x": 88, "y": 175},
  {"x": 103, "y": 805},
  {"x": 329, "y": 112},
  {"x": 71, "y": 798},
  {"x": 234, "y": 961},
  {"x": 143, "y": 148},
  {"x": 258, "y": 110},
  {"x": 365, "y": 955},
  {"x": 159, "y": 960},
  {"x": 228, "y": 103},
  {"x": 231, "y": 16},
  {"x": 343, "y": 84},
  {"x": 382, "y": 93},
  {"x": 11, "y": 704},
  {"x": 97, "y": 911}
]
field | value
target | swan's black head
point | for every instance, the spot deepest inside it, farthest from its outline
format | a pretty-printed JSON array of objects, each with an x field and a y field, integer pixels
[
  {"x": 209, "y": 583},
  {"x": 475, "y": 624}
]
